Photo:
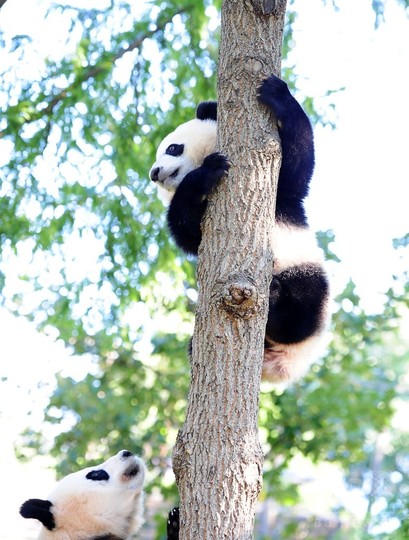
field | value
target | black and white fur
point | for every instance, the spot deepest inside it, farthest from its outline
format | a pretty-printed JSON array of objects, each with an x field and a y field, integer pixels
[
  {"x": 187, "y": 169},
  {"x": 97, "y": 503}
]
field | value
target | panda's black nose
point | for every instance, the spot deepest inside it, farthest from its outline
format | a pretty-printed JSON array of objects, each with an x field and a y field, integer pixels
[
  {"x": 126, "y": 454},
  {"x": 155, "y": 174}
]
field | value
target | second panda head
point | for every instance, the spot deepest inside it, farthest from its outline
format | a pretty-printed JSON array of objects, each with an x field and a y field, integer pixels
[{"x": 98, "y": 502}]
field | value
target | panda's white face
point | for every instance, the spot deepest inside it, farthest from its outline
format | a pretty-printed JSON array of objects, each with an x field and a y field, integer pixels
[
  {"x": 180, "y": 152},
  {"x": 103, "y": 501}
]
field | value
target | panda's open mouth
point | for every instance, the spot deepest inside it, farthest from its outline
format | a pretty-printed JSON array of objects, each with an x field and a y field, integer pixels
[{"x": 174, "y": 174}]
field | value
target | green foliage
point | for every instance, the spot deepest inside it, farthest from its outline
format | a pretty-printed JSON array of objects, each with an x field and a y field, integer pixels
[
  {"x": 127, "y": 403},
  {"x": 389, "y": 479},
  {"x": 80, "y": 155}
]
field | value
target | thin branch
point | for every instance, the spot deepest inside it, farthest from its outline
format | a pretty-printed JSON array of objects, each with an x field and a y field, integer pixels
[{"x": 95, "y": 70}]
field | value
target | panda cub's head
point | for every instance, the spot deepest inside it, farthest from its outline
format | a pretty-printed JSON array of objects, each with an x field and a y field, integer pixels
[
  {"x": 184, "y": 149},
  {"x": 97, "y": 503}
]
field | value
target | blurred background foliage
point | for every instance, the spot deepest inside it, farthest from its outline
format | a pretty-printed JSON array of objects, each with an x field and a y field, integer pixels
[{"x": 84, "y": 252}]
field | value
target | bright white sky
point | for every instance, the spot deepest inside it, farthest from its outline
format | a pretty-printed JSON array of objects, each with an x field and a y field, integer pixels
[
  {"x": 361, "y": 183},
  {"x": 360, "y": 189}
]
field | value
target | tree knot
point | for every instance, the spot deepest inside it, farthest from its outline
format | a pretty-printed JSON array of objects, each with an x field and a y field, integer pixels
[{"x": 239, "y": 296}]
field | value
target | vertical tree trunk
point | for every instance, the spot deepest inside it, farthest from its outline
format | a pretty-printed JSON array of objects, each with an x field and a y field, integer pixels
[{"x": 217, "y": 457}]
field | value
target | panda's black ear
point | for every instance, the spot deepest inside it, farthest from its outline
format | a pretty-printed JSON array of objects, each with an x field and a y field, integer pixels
[
  {"x": 207, "y": 110},
  {"x": 39, "y": 509}
]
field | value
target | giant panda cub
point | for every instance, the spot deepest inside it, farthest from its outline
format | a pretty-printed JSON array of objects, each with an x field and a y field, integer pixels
[
  {"x": 187, "y": 169},
  {"x": 97, "y": 503}
]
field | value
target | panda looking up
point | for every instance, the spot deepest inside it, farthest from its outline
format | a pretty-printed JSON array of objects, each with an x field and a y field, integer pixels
[
  {"x": 97, "y": 503},
  {"x": 187, "y": 169}
]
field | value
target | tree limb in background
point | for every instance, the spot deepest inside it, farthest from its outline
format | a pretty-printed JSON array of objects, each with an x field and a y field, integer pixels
[{"x": 104, "y": 65}]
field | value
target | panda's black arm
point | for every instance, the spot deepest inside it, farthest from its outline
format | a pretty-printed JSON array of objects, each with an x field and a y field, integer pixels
[
  {"x": 184, "y": 218},
  {"x": 189, "y": 202},
  {"x": 297, "y": 143},
  {"x": 297, "y": 304}
]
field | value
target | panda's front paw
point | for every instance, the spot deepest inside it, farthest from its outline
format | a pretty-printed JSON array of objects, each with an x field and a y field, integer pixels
[
  {"x": 214, "y": 168},
  {"x": 172, "y": 527},
  {"x": 274, "y": 93},
  {"x": 217, "y": 163}
]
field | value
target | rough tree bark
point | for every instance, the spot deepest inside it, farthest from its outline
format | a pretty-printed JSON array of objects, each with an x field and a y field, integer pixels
[{"x": 217, "y": 458}]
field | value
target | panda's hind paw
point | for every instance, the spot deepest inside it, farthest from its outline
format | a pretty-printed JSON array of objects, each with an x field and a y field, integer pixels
[{"x": 173, "y": 524}]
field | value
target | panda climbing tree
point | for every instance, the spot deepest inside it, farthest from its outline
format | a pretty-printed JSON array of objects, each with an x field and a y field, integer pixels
[{"x": 229, "y": 222}]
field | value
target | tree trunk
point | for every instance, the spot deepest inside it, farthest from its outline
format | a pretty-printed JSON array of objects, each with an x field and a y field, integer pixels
[{"x": 217, "y": 457}]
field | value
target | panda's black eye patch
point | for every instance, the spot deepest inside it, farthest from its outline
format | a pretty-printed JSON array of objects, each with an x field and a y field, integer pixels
[
  {"x": 99, "y": 474},
  {"x": 175, "y": 149}
]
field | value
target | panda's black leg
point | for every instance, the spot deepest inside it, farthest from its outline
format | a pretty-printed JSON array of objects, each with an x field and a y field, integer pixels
[
  {"x": 296, "y": 137},
  {"x": 172, "y": 526},
  {"x": 297, "y": 305},
  {"x": 189, "y": 202}
]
